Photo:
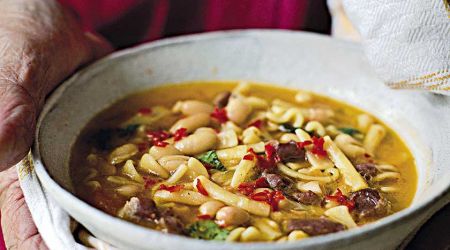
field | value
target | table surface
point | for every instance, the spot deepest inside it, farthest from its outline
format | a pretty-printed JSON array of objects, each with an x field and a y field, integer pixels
[{"x": 435, "y": 234}]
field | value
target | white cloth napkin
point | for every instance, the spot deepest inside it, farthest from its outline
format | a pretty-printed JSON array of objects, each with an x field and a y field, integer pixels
[
  {"x": 53, "y": 223},
  {"x": 406, "y": 41},
  {"x": 48, "y": 216}
]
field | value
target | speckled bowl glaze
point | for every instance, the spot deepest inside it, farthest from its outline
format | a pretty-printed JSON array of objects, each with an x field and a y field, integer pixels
[{"x": 300, "y": 60}]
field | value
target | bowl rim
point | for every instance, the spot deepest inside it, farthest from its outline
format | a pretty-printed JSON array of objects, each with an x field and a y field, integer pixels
[{"x": 55, "y": 190}]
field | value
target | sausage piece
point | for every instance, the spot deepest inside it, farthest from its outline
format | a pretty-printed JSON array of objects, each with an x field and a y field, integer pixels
[
  {"x": 307, "y": 198},
  {"x": 369, "y": 203},
  {"x": 289, "y": 152},
  {"x": 367, "y": 170},
  {"x": 221, "y": 100},
  {"x": 277, "y": 181},
  {"x": 314, "y": 227}
]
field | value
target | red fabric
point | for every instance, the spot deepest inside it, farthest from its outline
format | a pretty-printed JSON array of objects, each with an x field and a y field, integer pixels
[
  {"x": 2, "y": 242},
  {"x": 157, "y": 17}
]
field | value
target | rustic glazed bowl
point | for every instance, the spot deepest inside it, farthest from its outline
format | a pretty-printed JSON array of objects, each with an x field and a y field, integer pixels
[{"x": 292, "y": 59}]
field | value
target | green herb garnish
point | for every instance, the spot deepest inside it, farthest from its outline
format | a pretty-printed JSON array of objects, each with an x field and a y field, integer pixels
[
  {"x": 129, "y": 130},
  {"x": 349, "y": 131},
  {"x": 212, "y": 159},
  {"x": 207, "y": 230}
]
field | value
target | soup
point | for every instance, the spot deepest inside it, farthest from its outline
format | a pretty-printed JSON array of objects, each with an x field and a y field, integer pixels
[{"x": 241, "y": 162}]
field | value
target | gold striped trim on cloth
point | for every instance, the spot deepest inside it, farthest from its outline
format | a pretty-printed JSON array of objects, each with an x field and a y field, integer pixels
[
  {"x": 447, "y": 7},
  {"x": 434, "y": 81}
]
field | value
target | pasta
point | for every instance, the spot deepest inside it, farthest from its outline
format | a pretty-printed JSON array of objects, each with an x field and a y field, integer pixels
[
  {"x": 350, "y": 146},
  {"x": 351, "y": 176},
  {"x": 279, "y": 114},
  {"x": 316, "y": 127},
  {"x": 241, "y": 172},
  {"x": 251, "y": 135},
  {"x": 227, "y": 139},
  {"x": 232, "y": 199},
  {"x": 373, "y": 138},
  {"x": 241, "y": 163}
]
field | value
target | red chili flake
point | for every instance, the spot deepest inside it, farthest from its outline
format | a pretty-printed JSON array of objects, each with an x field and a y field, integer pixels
[
  {"x": 271, "y": 153},
  {"x": 158, "y": 137},
  {"x": 149, "y": 182},
  {"x": 201, "y": 189},
  {"x": 318, "y": 147},
  {"x": 268, "y": 161},
  {"x": 249, "y": 157},
  {"x": 261, "y": 182},
  {"x": 143, "y": 146},
  {"x": 304, "y": 144},
  {"x": 161, "y": 144},
  {"x": 341, "y": 199},
  {"x": 367, "y": 155},
  {"x": 257, "y": 124},
  {"x": 207, "y": 166},
  {"x": 179, "y": 134},
  {"x": 247, "y": 188},
  {"x": 204, "y": 217},
  {"x": 276, "y": 197},
  {"x": 220, "y": 114},
  {"x": 261, "y": 196},
  {"x": 171, "y": 189},
  {"x": 272, "y": 198},
  {"x": 145, "y": 111}
]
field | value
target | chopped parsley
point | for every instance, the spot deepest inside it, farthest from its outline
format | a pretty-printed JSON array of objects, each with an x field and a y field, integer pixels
[
  {"x": 349, "y": 131},
  {"x": 212, "y": 160},
  {"x": 207, "y": 230}
]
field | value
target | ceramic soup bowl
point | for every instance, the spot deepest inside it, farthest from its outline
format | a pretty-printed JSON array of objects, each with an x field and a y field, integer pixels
[{"x": 293, "y": 59}]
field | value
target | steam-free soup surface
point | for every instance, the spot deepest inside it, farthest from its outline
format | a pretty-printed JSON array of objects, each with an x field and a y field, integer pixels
[{"x": 241, "y": 162}]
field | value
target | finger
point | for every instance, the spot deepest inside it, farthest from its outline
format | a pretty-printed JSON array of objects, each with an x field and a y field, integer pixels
[
  {"x": 100, "y": 47},
  {"x": 17, "y": 121},
  {"x": 16, "y": 221}
]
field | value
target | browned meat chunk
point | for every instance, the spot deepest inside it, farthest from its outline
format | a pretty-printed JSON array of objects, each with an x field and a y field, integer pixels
[
  {"x": 314, "y": 226},
  {"x": 221, "y": 99},
  {"x": 277, "y": 181},
  {"x": 369, "y": 203},
  {"x": 289, "y": 152},
  {"x": 135, "y": 209},
  {"x": 367, "y": 170},
  {"x": 144, "y": 211},
  {"x": 171, "y": 223},
  {"x": 307, "y": 198}
]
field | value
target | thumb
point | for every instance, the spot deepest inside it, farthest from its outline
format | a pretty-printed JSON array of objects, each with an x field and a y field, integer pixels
[
  {"x": 18, "y": 115},
  {"x": 19, "y": 108},
  {"x": 99, "y": 46}
]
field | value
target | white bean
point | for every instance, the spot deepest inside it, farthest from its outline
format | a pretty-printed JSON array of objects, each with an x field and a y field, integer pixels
[
  {"x": 238, "y": 110},
  {"x": 232, "y": 216},
  {"x": 202, "y": 140},
  {"x": 192, "y": 107},
  {"x": 210, "y": 208},
  {"x": 158, "y": 152},
  {"x": 191, "y": 123}
]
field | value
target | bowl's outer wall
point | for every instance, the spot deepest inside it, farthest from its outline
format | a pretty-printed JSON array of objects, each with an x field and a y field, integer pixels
[{"x": 334, "y": 68}]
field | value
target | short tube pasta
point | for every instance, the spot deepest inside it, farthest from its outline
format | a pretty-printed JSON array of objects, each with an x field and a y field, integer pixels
[
  {"x": 348, "y": 171},
  {"x": 241, "y": 172},
  {"x": 231, "y": 199},
  {"x": 187, "y": 197},
  {"x": 149, "y": 164},
  {"x": 374, "y": 136}
]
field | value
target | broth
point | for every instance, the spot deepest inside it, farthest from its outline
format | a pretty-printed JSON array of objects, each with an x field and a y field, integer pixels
[{"x": 241, "y": 162}]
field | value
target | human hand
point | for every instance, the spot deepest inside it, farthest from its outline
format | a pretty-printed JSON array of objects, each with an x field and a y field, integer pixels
[
  {"x": 41, "y": 43},
  {"x": 18, "y": 227}
]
